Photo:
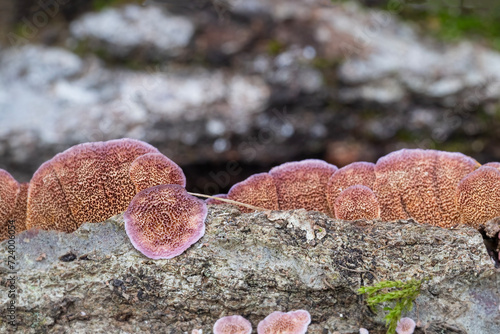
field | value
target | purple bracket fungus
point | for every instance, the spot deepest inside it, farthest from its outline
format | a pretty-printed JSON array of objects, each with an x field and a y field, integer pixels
[
  {"x": 86, "y": 183},
  {"x": 163, "y": 221},
  {"x": 493, "y": 164},
  {"x": 293, "y": 322},
  {"x": 213, "y": 200},
  {"x": 357, "y": 202},
  {"x": 9, "y": 191},
  {"x": 233, "y": 324},
  {"x": 257, "y": 190},
  {"x": 420, "y": 184},
  {"x": 478, "y": 196},
  {"x": 303, "y": 184},
  {"x": 19, "y": 215},
  {"x": 153, "y": 169},
  {"x": 362, "y": 173},
  {"x": 405, "y": 326}
]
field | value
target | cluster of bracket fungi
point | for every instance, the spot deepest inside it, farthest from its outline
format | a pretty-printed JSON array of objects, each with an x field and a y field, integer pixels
[{"x": 91, "y": 182}]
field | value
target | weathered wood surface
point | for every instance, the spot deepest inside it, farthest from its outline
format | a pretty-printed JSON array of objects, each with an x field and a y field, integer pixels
[{"x": 251, "y": 264}]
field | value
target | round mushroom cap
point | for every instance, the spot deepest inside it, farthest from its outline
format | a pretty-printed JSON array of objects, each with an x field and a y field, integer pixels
[
  {"x": 493, "y": 164},
  {"x": 9, "y": 190},
  {"x": 163, "y": 221},
  {"x": 302, "y": 184},
  {"x": 89, "y": 182},
  {"x": 362, "y": 173},
  {"x": 233, "y": 324},
  {"x": 257, "y": 190},
  {"x": 294, "y": 322},
  {"x": 420, "y": 184},
  {"x": 153, "y": 169},
  {"x": 405, "y": 326},
  {"x": 478, "y": 196},
  {"x": 357, "y": 202}
]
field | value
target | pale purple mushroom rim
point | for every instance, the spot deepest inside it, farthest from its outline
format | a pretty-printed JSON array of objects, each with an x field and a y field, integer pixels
[{"x": 292, "y": 166}]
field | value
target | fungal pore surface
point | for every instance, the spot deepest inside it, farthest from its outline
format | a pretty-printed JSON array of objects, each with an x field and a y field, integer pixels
[
  {"x": 357, "y": 202},
  {"x": 9, "y": 190},
  {"x": 258, "y": 190},
  {"x": 302, "y": 184},
  {"x": 421, "y": 184},
  {"x": 86, "y": 183},
  {"x": 233, "y": 324},
  {"x": 478, "y": 196},
  {"x": 293, "y": 322},
  {"x": 163, "y": 221}
]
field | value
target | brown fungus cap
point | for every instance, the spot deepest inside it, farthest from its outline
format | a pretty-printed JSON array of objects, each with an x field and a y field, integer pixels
[
  {"x": 153, "y": 169},
  {"x": 86, "y": 183},
  {"x": 47, "y": 206},
  {"x": 478, "y": 196},
  {"x": 19, "y": 214},
  {"x": 233, "y": 324},
  {"x": 163, "y": 221},
  {"x": 420, "y": 184},
  {"x": 9, "y": 189},
  {"x": 357, "y": 202},
  {"x": 258, "y": 190},
  {"x": 294, "y": 322},
  {"x": 302, "y": 184},
  {"x": 362, "y": 173}
]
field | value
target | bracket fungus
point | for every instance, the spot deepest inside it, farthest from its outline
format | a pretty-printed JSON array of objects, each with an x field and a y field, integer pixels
[
  {"x": 357, "y": 202},
  {"x": 91, "y": 182},
  {"x": 233, "y": 324},
  {"x": 478, "y": 196},
  {"x": 405, "y": 326},
  {"x": 361, "y": 172},
  {"x": 152, "y": 169},
  {"x": 293, "y": 322},
  {"x": 12, "y": 204},
  {"x": 302, "y": 184},
  {"x": 420, "y": 184},
  {"x": 163, "y": 221},
  {"x": 493, "y": 164},
  {"x": 257, "y": 190}
]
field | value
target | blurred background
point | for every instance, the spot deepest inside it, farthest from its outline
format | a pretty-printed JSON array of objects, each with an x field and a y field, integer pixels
[{"x": 230, "y": 88}]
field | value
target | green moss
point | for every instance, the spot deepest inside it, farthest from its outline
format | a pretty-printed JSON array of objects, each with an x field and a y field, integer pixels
[
  {"x": 275, "y": 47},
  {"x": 400, "y": 294},
  {"x": 101, "y": 4},
  {"x": 450, "y": 20}
]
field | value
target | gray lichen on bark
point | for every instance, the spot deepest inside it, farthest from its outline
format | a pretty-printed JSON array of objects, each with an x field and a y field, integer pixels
[{"x": 93, "y": 280}]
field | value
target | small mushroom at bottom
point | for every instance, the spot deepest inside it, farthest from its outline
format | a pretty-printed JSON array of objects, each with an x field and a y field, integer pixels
[
  {"x": 293, "y": 322},
  {"x": 233, "y": 324}
]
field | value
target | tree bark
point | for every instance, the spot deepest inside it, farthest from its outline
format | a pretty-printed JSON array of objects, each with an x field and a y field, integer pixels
[{"x": 93, "y": 280}]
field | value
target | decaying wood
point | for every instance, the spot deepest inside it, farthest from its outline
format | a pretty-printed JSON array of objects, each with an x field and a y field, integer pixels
[{"x": 93, "y": 280}]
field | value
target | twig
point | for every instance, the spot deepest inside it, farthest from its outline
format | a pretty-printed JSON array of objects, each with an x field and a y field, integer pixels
[
  {"x": 230, "y": 201},
  {"x": 360, "y": 271}
]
